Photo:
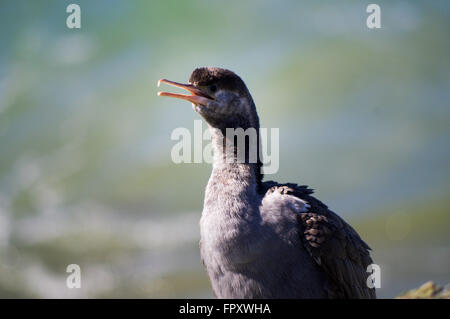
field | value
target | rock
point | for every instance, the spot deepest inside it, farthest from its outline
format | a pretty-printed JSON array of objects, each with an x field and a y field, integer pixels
[{"x": 428, "y": 290}]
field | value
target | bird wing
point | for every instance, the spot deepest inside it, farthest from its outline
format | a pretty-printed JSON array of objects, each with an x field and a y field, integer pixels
[{"x": 332, "y": 243}]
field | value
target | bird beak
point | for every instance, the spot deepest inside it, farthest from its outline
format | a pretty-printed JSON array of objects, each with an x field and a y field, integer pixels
[{"x": 198, "y": 97}]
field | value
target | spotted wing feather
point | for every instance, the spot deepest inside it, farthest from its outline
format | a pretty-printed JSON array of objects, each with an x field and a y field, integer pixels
[{"x": 332, "y": 243}]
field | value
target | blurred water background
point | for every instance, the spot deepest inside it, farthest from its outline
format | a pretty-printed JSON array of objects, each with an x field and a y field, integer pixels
[{"x": 86, "y": 175}]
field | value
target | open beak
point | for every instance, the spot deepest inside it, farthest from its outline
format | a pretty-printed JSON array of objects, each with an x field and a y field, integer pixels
[{"x": 197, "y": 96}]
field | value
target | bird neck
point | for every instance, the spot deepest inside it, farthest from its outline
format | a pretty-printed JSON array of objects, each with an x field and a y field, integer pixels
[
  {"x": 237, "y": 154},
  {"x": 232, "y": 190}
]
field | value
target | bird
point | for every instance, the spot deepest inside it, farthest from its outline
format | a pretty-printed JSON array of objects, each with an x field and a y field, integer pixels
[{"x": 264, "y": 239}]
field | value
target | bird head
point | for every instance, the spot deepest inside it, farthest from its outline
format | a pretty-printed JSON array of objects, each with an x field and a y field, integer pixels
[{"x": 219, "y": 96}]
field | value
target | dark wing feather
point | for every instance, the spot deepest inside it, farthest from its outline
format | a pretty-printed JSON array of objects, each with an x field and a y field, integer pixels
[{"x": 332, "y": 243}]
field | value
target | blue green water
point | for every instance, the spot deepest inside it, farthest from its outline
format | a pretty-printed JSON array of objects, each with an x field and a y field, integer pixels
[{"x": 86, "y": 175}]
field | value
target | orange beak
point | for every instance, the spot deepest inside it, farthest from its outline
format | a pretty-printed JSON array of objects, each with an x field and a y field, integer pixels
[{"x": 198, "y": 97}]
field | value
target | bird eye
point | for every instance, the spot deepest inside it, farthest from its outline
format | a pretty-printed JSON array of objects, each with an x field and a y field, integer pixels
[{"x": 213, "y": 88}]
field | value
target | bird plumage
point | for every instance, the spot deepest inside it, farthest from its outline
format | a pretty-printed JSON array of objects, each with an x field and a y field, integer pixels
[
  {"x": 333, "y": 244},
  {"x": 265, "y": 239}
]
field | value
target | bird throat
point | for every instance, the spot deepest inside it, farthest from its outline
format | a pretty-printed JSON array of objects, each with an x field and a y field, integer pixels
[
  {"x": 237, "y": 150},
  {"x": 234, "y": 183}
]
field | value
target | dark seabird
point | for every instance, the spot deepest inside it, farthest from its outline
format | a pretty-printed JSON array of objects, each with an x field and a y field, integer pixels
[{"x": 263, "y": 239}]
